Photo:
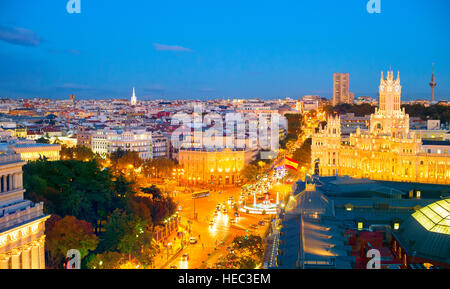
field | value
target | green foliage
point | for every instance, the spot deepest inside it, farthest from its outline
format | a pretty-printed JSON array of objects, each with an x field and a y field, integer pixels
[
  {"x": 246, "y": 254},
  {"x": 303, "y": 154},
  {"x": 43, "y": 140},
  {"x": 122, "y": 161},
  {"x": 79, "y": 153},
  {"x": 251, "y": 172},
  {"x": 359, "y": 110},
  {"x": 294, "y": 124},
  {"x": 107, "y": 260},
  {"x": 436, "y": 111},
  {"x": 68, "y": 233},
  {"x": 128, "y": 234},
  {"x": 73, "y": 188},
  {"x": 160, "y": 168}
]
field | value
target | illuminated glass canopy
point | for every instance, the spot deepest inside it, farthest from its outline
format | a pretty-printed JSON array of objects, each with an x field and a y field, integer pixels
[{"x": 435, "y": 217}]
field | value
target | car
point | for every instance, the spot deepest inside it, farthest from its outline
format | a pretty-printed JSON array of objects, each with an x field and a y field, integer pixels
[
  {"x": 192, "y": 240},
  {"x": 225, "y": 211},
  {"x": 185, "y": 257},
  {"x": 232, "y": 221},
  {"x": 173, "y": 267},
  {"x": 236, "y": 215},
  {"x": 228, "y": 248},
  {"x": 261, "y": 223},
  {"x": 254, "y": 226},
  {"x": 211, "y": 223}
]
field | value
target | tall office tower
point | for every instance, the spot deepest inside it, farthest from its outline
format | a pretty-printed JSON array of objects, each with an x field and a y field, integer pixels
[
  {"x": 22, "y": 223},
  {"x": 341, "y": 93},
  {"x": 432, "y": 85}
]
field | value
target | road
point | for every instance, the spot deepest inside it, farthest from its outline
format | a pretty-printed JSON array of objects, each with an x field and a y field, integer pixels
[{"x": 209, "y": 246}]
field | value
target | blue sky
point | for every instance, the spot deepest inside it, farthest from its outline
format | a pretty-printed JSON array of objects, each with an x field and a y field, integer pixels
[{"x": 209, "y": 49}]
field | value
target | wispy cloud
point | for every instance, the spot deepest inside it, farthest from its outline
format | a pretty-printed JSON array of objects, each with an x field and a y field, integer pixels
[
  {"x": 163, "y": 47},
  {"x": 73, "y": 86},
  {"x": 64, "y": 51},
  {"x": 20, "y": 36},
  {"x": 154, "y": 88}
]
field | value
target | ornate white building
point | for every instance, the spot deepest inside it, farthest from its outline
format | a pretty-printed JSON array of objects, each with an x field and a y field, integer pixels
[
  {"x": 22, "y": 223},
  {"x": 388, "y": 150}
]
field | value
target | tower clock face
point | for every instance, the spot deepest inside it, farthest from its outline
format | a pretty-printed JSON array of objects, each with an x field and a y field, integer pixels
[
  {"x": 397, "y": 88},
  {"x": 382, "y": 89}
]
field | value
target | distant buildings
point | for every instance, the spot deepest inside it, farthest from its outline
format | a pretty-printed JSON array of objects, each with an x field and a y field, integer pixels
[
  {"x": 388, "y": 150},
  {"x": 341, "y": 86},
  {"x": 311, "y": 102},
  {"x": 22, "y": 223},
  {"x": 366, "y": 100},
  {"x": 106, "y": 141}
]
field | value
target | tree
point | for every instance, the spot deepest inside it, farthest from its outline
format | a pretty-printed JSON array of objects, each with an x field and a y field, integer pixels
[
  {"x": 122, "y": 161},
  {"x": 251, "y": 172},
  {"x": 303, "y": 154},
  {"x": 160, "y": 168},
  {"x": 80, "y": 153},
  {"x": 107, "y": 260},
  {"x": 65, "y": 234},
  {"x": 128, "y": 234},
  {"x": 75, "y": 188},
  {"x": 42, "y": 140}
]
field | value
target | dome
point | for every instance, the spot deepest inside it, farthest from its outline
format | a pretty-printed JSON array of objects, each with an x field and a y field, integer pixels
[{"x": 435, "y": 217}]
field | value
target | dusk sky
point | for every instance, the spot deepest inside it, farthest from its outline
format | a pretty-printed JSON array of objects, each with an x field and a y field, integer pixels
[{"x": 220, "y": 49}]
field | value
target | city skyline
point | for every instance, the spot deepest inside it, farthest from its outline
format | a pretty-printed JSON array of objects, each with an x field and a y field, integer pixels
[{"x": 219, "y": 51}]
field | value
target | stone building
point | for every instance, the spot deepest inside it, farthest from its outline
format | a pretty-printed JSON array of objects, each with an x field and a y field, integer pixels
[
  {"x": 220, "y": 167},
  {"x": 387, "y": 150},
  {"x": 22, "y": 223}
]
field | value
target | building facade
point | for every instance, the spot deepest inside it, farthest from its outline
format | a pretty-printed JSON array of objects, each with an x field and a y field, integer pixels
[
  {"x": 35, "y": 151},
  {"x": 213, "y": 167},
  {"x": 341, "y": 86},
  {"x": 388, "y": 150},
  {"x": 160, "y": 146},
  {"x": 105, "y": 142},
  {"x": 22, "y": 223}
]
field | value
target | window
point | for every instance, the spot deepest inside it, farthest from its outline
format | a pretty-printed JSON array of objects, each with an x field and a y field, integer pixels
[{"x": 360, "y": 226}]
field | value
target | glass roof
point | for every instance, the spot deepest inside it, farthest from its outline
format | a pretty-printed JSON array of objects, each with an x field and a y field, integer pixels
[{"x": 435, "y": 217}]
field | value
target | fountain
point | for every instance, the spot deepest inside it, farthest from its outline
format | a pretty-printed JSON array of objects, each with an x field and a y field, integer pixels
[{"x": 265, "y": 207}]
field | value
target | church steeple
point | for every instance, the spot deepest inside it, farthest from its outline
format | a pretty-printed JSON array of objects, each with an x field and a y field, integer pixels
[{"x": 133, "y": 98}]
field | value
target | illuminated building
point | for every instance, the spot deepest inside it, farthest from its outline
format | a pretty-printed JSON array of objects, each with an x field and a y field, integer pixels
[
  {"x": 105, "y": 142},
  {"x": 425, "y": 236},
  {"x": 133, "y": 98},
  {"x": 160, "y": 146},
  {"x": 34, "y": 151},
  {"x": 341, "y": 86},
  {"x": 22, "y": 223},
  {"x": 213, "y": 167},
  {"x": 388, "y": 150},
  {"x": 84, "y": 137}
]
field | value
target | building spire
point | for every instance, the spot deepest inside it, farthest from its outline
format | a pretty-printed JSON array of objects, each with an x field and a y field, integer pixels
[
  {"x": 133, "y": 98},
  {"x": 433, "y": 84}
]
